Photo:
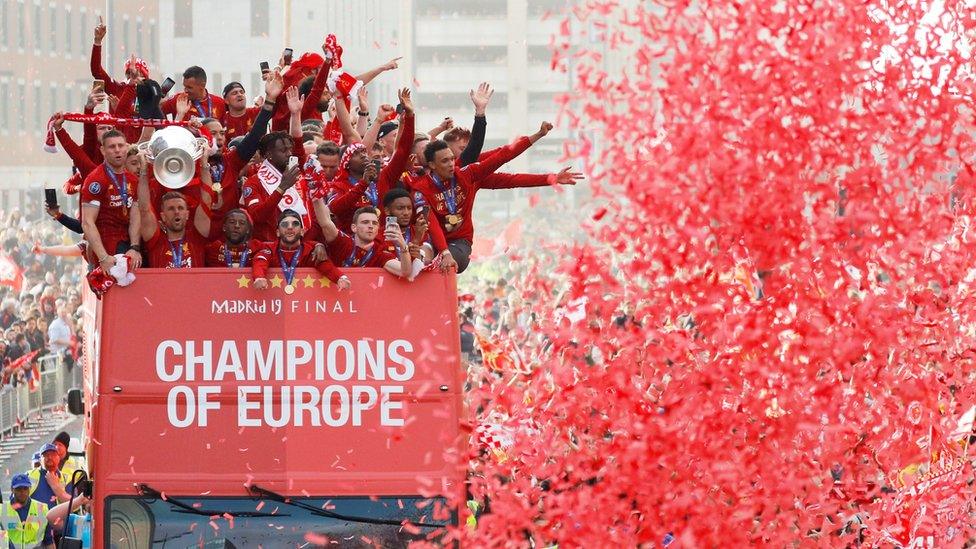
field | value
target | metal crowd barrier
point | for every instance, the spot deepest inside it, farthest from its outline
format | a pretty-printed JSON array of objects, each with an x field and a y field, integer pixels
[{"x": 19, "y": 405}]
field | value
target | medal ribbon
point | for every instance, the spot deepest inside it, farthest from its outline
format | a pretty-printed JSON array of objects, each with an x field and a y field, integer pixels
[
  {"x": 372, "y": 194},
  {"x": 228, "y": 258},
  {"x": 217, "y": 172},
  {"x": 177, "y": 253},
  {"x": 209, "y": 107},
  {"x": 365, "y": 259},
  {"x": 288, "y": 269},
  {"x": 123, "y": 188},
  {"x": 450, "y": 198}
]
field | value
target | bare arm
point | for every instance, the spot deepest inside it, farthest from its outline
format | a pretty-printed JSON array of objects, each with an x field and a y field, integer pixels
[
  {"x": 295, "y": 108},
  {"x": 322, "y": 214},
  {"x": 349, "y": 133},
  {"x": 362, "y": 121},
  {"x": 147, "y": 219},
  {"x": 59, "y": 251},
  {"x": 368, "y": 76},
  {"x": 374, "y": 129}
]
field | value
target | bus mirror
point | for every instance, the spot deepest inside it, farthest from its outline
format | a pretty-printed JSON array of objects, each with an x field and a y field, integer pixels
[{"x": 75, "y": 403}]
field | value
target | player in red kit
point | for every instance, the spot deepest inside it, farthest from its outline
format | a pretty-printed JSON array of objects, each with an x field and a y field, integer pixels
[
  {"x": 362, "y": 248},
  {"x": 109, "y": 214},
  {"x": 351, "y": 190},
  {"x": 449, "y": 189},
  {"x": 174, "y": 242},
  {"x": 202, "y": 103},
  {"x": 290, "y": 252},
  {"x": 274, "y": 187},
  {"x": 236, "y": 249},
  {"x": 238, "y": 118}
]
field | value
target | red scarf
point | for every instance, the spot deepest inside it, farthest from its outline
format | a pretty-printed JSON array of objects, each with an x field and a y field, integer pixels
[{"x": 50, "y": 145}]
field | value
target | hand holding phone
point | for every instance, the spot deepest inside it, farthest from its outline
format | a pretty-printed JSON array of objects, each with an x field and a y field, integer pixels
[
  {"x": 51, "y": 198},
  {"x": 98, "y": 86},
  {"x": 167, "y": 85},
  {"x": 286, "y": 56},
  {"x": 265, "y": 68}
]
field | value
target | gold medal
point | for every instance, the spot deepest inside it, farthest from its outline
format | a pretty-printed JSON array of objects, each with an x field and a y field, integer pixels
[
  {"x": 454, "y": 219},
  {"x": 289, "y": 289},
  {"x": 216, "y": 187}
]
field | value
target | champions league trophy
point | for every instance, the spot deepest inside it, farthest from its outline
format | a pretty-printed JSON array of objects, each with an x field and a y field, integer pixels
[{"x": 173, "y": 151}]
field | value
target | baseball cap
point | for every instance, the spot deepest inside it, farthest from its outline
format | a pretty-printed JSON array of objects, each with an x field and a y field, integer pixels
[
  {"x": 386, "y": 128},
  {"x": 48, "y": 448},
  {"x": 231, "y": 86},
  {"x": 20, "y": 481}
]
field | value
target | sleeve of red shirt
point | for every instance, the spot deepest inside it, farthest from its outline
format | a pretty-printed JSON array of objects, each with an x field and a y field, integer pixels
[
  {"x": 127, "y": 102},
  {"x": 261, "y": 261},
  {"x": 264, "y": 209},
  {"x": 513, "y": 181},
  {"x": 78, "y": 156},
  {"x": 390, "y": 173},
  {"x": 89, "y": 141},
  {"x": 168, "y": 106},
  {"x": 311, "y": 104},
  {"x": 345, "y": 203},
  {"x": 328, "y": 268},
  {"x": 436, "y": 233},
  {"x": 480, "y": 170},
  {"x": 111, "y": 86}
]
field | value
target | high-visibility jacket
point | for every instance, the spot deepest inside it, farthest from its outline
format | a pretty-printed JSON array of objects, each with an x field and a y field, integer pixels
[
  {"x": 35, "y": 476},
  {"x": 26, "y": 533}
]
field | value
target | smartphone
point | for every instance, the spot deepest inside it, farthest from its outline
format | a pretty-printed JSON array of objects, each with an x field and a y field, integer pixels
[
  {"x": 292, "y": 162},
  {"x": 265, "y": 67},
  {"x": 51, "y": 198},
  {"x": 378, "y": 164},
  {"x": 167, "y": 85},
  {"x": 399, "y": 108},
  {"x": 287, "y": 56},
  {"x": 98, "y": 85},
  {"x": 422, "y": 210},
  {"x": 391, "y": 223}
]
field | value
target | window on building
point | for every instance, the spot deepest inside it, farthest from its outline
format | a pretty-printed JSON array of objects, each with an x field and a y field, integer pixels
[
  {"x": 85, "y": 35},
  {"x": 153, "y": 42},
  {"x": 21, "y": 106},
  {"x": 139, "y": 40},
  {"x": 4, "y": 106},
  {"x": 68, "y": 32},
  {"x": 4, "y": 17},
  {"x": 52, "y": 32},
  {"x": 183, "y": 18},
  {"x": 38, "y": 37},
  {"x": 216, "y": 83},
  {"x": 38, "y": 107},
  {"x": 260, "y": 18},
  {"x": 126, "y": 41},
  {"x": 21, "y": 25}
]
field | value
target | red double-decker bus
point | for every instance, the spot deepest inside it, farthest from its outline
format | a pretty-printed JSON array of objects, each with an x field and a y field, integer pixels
[{"x": 218, "y": 415}]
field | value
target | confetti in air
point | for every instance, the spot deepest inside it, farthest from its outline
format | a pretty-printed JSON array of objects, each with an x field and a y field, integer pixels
[{"x": 767, "y": 339}]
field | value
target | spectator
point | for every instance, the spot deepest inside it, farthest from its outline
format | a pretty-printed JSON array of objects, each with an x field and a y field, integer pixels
[
  {"x": 60, "y": 333},
  {"x": 24, "y": 533},
  {"x": 48, "y": 484},
  {"x": 8, "y": 315},
  {"x": 35, "y": 336}
]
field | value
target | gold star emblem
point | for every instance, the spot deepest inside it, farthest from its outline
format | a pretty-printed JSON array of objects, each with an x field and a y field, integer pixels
[
  {"x": 309, "y": 281},
  {"x": 276, "y": 281},
  {"x": 324, "y": 282},
  {"x": 243, "y": 282}
]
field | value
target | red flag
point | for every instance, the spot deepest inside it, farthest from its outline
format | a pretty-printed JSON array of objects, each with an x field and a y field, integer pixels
[{"x": 10, "y": 273}]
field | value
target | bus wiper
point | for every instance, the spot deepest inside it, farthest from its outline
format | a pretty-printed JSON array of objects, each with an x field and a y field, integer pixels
[
  {"x": 150, "y": 492},
  {"x": 262, "y": 492}
]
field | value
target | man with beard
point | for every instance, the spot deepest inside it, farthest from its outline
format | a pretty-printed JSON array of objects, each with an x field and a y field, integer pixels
[
  {"x": 236, "y": 249},
  {"x": 109, "y": 215},
  {"x": 351, "y": 190},
  {"x": 290, "y": 252},
  {"x": 397, "y": 203},
  {"x": 170, "y": 243},
  {"x": 226, "y": 164},
  {"x": 239, "y": 118},
  {"x": 273, "y": 188},
  {"x": 203, "y": 104},
  {"x": 362, "y": 248}
]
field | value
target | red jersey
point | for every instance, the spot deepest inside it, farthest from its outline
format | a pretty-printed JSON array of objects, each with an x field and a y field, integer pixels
[
  {"x": 391, "y": 248},
  {"x": 182, "y": 253},
  {"x": 222, "y": 254},
  {"x": 263, "y": 202},
  {"x": 115, "y": 195},
  {"x": 237, "y": 126},
  {"x": 345, "y": 252},
  {"x": 212, "y": 106},
  {"x": 267, "y": 256},
  {"x": 452, "y": 202},
  {"x": 347, "y": 196}
]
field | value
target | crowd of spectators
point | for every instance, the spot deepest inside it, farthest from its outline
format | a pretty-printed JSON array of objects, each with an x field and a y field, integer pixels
[{"x": 40, "y": 312}]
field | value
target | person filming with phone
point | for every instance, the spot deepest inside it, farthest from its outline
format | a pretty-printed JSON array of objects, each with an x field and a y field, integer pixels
[{"x": 362, "y": 249}]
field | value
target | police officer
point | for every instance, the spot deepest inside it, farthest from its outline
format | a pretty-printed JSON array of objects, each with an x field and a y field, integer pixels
[{"x": 24, "y": 520}]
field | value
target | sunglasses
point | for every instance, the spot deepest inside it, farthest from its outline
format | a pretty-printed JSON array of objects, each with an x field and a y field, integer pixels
[{"x": 286, "y": 224}]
